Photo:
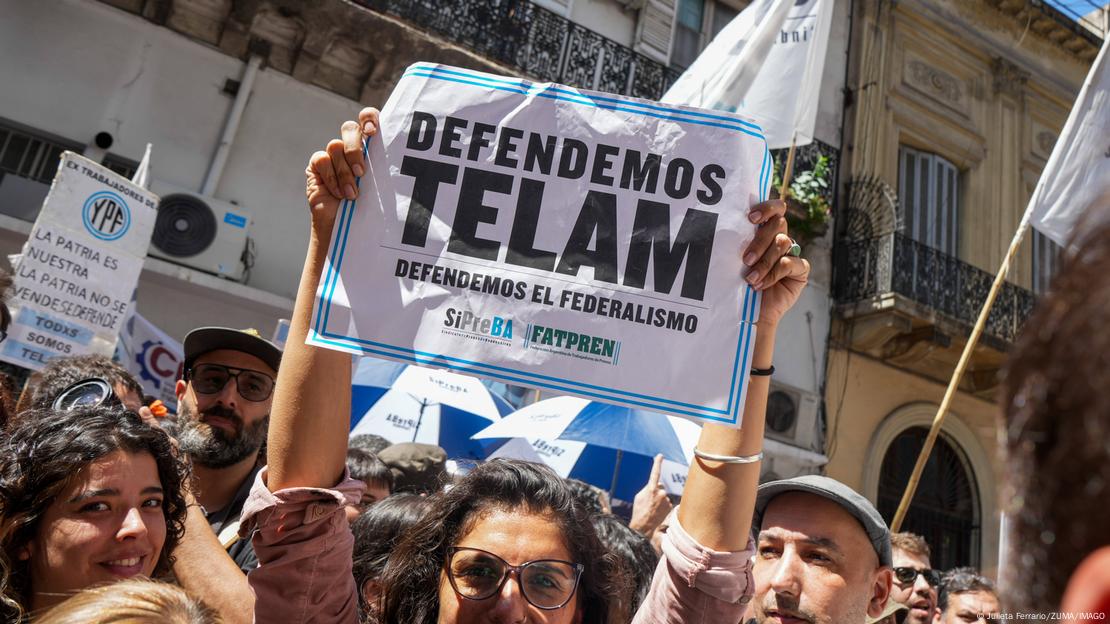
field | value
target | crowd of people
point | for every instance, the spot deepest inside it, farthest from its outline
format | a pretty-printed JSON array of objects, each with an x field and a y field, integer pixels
[{"x": 252, "y": 504}]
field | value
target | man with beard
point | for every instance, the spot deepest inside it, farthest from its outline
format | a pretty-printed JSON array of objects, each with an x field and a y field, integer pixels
[
  {"x": 223, "y": 410},
  {"x": 823, "y": 554}
]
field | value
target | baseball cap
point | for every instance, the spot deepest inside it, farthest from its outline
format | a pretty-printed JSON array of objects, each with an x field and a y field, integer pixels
[
  {"x": 205, "y": 339},
  {"x": 416, "y": 467},
  {"x": 837, "y": 492},
  {"x": 892, "y": 607}
]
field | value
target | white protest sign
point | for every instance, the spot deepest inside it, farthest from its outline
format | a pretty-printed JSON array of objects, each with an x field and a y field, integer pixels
[
  {"x": 153, "y": 357},
  {"x": 79, "y": 267},
  {"x": 550, "y": 237}
]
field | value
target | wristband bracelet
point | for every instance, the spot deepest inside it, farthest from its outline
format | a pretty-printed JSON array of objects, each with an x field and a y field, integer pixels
[
  {"x": 763, "y": 372},
  {"x": 728, "y": 459}
]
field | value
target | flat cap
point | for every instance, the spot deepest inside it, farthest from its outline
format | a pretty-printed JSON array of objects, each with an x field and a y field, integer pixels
[{"x": 825, "y": 487}]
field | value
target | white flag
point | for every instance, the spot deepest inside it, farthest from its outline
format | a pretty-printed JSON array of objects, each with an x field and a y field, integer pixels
[
  {"x": 1078, "y": 171},
  {"x": 766, "y": 64}
]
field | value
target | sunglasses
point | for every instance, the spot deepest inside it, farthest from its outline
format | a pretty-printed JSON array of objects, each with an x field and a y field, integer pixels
[
  {"x": 211, "y": 378},
  {"x": 92, "y": 392},
  {"x": 908, "y": 575},
  {"x": 546, "y": 583}
]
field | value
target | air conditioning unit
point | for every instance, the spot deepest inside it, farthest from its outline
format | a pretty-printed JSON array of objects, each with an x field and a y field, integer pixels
[
  {"x": 792, "y": 416},
  {"x": 202, "y": 233}
]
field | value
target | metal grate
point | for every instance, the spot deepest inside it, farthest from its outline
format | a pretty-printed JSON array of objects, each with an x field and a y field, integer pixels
[
  {"x": 538, "y": 42},
  {"x": 894, "y": 263},
  {"x": 945, "y": 509},
  {"x": 31, "y": 154}
]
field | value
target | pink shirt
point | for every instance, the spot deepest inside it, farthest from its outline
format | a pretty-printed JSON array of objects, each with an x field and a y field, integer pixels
[
  {"x": 305, "y": 548},
  {"x": 695, "y": 585}
]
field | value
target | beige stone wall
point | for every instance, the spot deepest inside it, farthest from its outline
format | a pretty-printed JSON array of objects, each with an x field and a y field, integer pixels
[
  {"x": 980, "y": 87},
  {"x": 869, "y": 403},
  {"x": 960, "y": 79}
]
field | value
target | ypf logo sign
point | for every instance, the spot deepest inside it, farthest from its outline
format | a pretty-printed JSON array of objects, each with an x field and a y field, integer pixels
[{"x": 106, "y": 215}]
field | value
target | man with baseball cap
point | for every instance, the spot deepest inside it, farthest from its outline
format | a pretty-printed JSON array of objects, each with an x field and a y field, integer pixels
[
  {"x": 223, "y": 410},
  {"x": 823, "y": 554}
]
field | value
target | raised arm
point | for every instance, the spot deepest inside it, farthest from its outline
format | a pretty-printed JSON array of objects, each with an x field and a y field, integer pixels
[
  {"x": 297, "y": 523},
  {"x": 719, "y": 498},
  {"x": 309, "y": 422},
  {"x": 705, "y": 572}
]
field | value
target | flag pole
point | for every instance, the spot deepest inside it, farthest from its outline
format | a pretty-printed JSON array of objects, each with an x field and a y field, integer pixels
[
  {"x": 954, "y": 383},
  {"x": 789, "y": 169}
]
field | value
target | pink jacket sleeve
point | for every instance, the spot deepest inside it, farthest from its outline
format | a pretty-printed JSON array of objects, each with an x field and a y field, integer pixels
[
  {"x": 304, "y": 547},
  {"x": 695, "y": 585}
]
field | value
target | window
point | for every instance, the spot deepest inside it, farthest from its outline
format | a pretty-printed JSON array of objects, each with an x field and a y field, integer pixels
[
  {"x": 28, "y": 161},
  {"x": 696, "y": 23},
  {"x": 1046, "y": 256},
  {"x": 928, "y": 190},
  {"x": 722, "y": 15},
  {"x": 29, "y": 154},
  {"x": 687, "y": 32}
]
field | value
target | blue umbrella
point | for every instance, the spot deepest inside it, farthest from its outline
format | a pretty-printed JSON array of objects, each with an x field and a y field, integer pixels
[
  {"x": 609, "y": 446},
  {"x": 407, "y": 403}
]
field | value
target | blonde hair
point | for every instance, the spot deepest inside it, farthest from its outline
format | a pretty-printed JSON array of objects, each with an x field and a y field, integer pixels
[{"x": 131, "y": 602}]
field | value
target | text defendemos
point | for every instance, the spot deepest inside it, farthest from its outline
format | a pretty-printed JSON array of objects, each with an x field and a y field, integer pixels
[{"x": 555, "y": 238}]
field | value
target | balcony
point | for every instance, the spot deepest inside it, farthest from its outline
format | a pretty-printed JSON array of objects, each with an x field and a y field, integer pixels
[
  {"x": 913, "y": 306},
  {"x": 537, "y": 42}
]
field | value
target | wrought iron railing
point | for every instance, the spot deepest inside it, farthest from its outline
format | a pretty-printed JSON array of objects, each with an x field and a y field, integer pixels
[
  {"x": 538, "y": 42},
  {"x": 805, "y": 158},
  {"x": 897, "y": 264}
]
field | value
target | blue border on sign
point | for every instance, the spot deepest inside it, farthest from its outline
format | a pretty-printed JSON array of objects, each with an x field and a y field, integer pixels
[
  {"x": 88, "y": 224},
  {"x": 749, "y": 297}
]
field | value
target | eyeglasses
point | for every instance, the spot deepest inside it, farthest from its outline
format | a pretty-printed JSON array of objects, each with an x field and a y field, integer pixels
[
  {"x": 908, "y": 575},
  {"x": 546, "y": 583},
  {"x": 211, "y": 378},
  {"x": 92, "y": 392}
]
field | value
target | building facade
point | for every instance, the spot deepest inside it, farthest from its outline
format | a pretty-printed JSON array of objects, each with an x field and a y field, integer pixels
[
  {"x": 954, "y": 107},
  {"x": 234, "y": 97}
]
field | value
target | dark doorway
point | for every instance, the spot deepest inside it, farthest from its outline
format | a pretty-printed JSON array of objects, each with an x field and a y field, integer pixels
[{"x": 945, "y": 509}]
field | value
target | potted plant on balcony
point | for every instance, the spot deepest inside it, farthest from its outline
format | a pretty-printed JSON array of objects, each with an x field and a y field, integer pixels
[{"x": 807, "y": 205}]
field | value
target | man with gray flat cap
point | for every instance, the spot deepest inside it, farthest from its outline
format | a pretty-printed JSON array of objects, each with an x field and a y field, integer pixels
[{"x": 823, "y": 554}]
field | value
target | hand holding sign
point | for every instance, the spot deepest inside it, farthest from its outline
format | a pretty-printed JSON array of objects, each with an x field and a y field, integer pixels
[
  {"x": 651, "y": 505},
  {"x": 331, "y": 173},
  {"x": 778, "y": 275},
  {"x": 550, "y": 237}
]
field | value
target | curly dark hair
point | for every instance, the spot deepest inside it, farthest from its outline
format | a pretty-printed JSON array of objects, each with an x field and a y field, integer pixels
[
  {"x": 377, "y": 531},
  {"x": 38, "y": 460},
  {"x": 410, "y": 582},
  {"x": 1055, "y": 424}
]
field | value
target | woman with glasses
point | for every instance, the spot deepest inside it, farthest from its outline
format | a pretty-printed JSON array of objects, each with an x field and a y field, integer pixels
[
  {"x": 508, "y": 542},
  {"x": 87, "y": 496},
  {"x": 505, "y": 522}
]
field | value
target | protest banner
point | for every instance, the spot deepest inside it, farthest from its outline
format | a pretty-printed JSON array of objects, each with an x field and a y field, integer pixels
[
  {"x": 78, "y": 270},
  {"x": 555, "y": 238},
  {"x": 153, "y": 357}
]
